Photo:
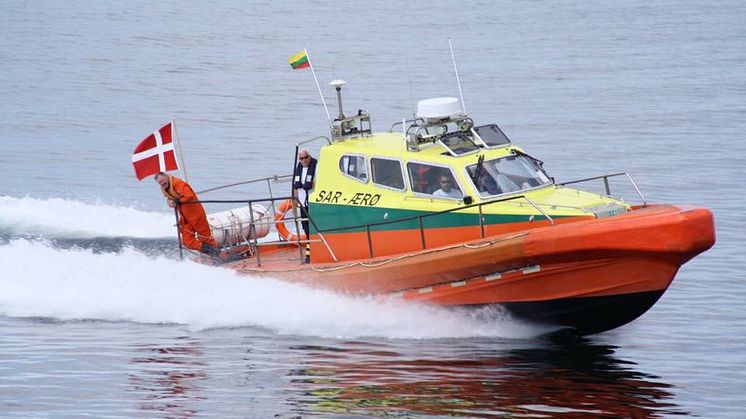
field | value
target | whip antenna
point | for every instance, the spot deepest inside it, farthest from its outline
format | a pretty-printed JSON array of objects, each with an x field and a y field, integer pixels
[
  {"x": 458, "y": 81},
  {"x": 411, "y": 94}
]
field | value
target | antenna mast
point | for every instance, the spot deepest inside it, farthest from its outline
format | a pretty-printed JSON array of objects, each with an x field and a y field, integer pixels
[{"x": 458, "y": 81}]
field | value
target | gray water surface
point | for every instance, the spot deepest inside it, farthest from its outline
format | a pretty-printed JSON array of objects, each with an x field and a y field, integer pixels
[{"x": 98, "y": 319}]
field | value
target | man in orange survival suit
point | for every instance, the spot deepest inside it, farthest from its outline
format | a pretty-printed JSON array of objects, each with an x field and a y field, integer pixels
[{"x": 195, "y": 231}]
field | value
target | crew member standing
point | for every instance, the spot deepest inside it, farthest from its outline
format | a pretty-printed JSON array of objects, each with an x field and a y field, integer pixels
[
  {"x": 195, "y": 231},
  {"x": 303, "y": 181}
]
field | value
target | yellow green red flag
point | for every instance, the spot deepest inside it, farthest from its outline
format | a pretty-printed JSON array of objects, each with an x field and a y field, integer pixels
[{"x": 299, "y": 60}]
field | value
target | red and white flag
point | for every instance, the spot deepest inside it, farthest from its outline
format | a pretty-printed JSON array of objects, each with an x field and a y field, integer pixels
[{"x": 155, "y": 153}]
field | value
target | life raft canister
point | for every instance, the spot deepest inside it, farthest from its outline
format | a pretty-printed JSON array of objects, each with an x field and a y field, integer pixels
[
  {"x": 235, "y": 225},
  {"x": 280, "y": 220}
]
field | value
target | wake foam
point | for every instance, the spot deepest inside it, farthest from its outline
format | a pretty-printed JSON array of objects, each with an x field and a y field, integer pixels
[
  {"x": 56, "y": 217},
  {"x": 77, "y": 284}
]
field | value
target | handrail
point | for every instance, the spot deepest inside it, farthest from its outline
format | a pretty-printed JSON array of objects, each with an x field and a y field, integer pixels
[
  {"x": 252, "y": 233},
  {"x": 294, "y": 194},
  {"x": 275, "y": 178},
  {"x": 235, "y": 201},
  {"x": 368, "y": 226},
  {"x": 310, "y": 140},
  {"x": 249, "y": 203},
  {"x": 552, "y": 205},
  {"x": 433, "y": 214},
  {"x": 606, "y": 184},
  {"x": 481, "y": 217},
  {"x": 272, "y": 199},
  {"x": 419, "y": 219},
  {"x": 391, "y": 129},
  {"x": 321, "y": 236},
  {"x": 533, "y": 204}
]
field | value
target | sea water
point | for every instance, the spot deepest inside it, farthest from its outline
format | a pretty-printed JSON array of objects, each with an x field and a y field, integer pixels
[{"x": 99, "y": 318}]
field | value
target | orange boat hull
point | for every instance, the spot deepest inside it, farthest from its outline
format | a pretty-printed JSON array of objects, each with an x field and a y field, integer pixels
[{"x": 590, "y": 275}]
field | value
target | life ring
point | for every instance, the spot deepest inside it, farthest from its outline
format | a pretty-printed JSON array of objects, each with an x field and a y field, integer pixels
[{"x": 282, "y": 229}]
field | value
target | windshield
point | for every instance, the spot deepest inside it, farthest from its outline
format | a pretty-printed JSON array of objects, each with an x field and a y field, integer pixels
[{"x": 506, "y": 175}]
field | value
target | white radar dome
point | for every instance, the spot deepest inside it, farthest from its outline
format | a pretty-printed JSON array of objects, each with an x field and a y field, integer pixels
[{"x": 438, "y": 108}]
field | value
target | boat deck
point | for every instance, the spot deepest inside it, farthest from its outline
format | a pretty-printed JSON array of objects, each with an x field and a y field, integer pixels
[{"x": 274, "y": 256}]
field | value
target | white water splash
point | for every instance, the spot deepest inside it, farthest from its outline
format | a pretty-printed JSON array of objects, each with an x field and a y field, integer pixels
[
  {"x": 56, "y": 217},
  {"x": 74, "y": 284}
]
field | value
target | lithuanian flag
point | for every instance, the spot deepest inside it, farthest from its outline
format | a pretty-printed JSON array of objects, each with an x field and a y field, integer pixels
[{"x": 299, "y": 60}]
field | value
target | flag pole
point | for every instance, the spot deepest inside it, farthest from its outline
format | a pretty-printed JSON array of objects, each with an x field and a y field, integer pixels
[
  {"x": 181, "y": 166},
  {"x": 178, "y": 234},
  {"x": 317, "y": 85}
]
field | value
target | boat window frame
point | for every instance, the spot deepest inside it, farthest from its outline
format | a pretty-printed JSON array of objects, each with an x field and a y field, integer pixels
[
  {"x": 490, "y": 196},
  {"x": 484, "y": 143},
  {"x": 437, "y": 166},
  {"x": 449, "y": 150},
  {"x": 368, "y": 175},
  {"x": 380, "y": 185}
]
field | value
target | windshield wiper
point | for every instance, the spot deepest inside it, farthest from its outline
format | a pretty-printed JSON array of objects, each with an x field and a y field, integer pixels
[
  {"x": 534, "y": 159},
  {"x": 521, "y": 153},
  {"x": 478, "y": 170}
]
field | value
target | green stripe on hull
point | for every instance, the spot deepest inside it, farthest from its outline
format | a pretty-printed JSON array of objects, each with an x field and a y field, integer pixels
[{"x": 333, "y": 217}]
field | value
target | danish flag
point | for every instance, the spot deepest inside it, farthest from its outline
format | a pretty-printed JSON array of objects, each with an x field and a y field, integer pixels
[{"x": 155, "y": 153}]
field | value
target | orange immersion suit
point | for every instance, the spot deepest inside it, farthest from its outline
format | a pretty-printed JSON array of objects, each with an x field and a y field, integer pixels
[{"x": 195, "y": 231}]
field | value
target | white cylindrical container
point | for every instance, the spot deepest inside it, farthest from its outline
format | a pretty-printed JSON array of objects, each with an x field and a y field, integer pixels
[{"x": 234, "y": 226}]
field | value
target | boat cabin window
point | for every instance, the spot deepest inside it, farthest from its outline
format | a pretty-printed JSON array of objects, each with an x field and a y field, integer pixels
[
  {"x": 433, "y": 180},
  {"x": 458, "y": 143},
  {"x": 387, "y": 173},
  {"x": 506, "y": 175},
  {"x": 491, "y": 135},
  {"x": 355, "y": 167}
]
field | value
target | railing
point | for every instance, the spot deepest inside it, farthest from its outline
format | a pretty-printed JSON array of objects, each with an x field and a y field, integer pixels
[
  {"x": 395, "y": 124},
  {"x": 292, "y": 191},
  {"x": 254, "y": 240},
  {"x": 254, "y": 243},
  {"x": 606, "y": 184},
  {"x": 420, "y": 219},
  {"x": 310, "y": 140},
  {"x": 268, "y": 180},
  {"x": 370, "y": 227},
  {"x": 275, "y": 178}
]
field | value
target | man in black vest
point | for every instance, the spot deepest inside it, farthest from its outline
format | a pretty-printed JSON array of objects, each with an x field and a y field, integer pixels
[{"x": 303, "y": 181}]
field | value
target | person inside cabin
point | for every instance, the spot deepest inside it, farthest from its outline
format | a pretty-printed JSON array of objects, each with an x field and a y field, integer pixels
[
  {"x": 485, "y": 183},
  {"x": 303, "y": 182},
  {"x": 395, "y": 178},
  {"x": 195, "y": 231},
  {"x": 424, "y": 181},
  {"x": 446, "y": 189}
]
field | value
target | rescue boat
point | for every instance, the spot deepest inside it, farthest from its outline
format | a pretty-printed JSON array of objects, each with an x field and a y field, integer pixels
[{"x": 441, "y": 210}]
